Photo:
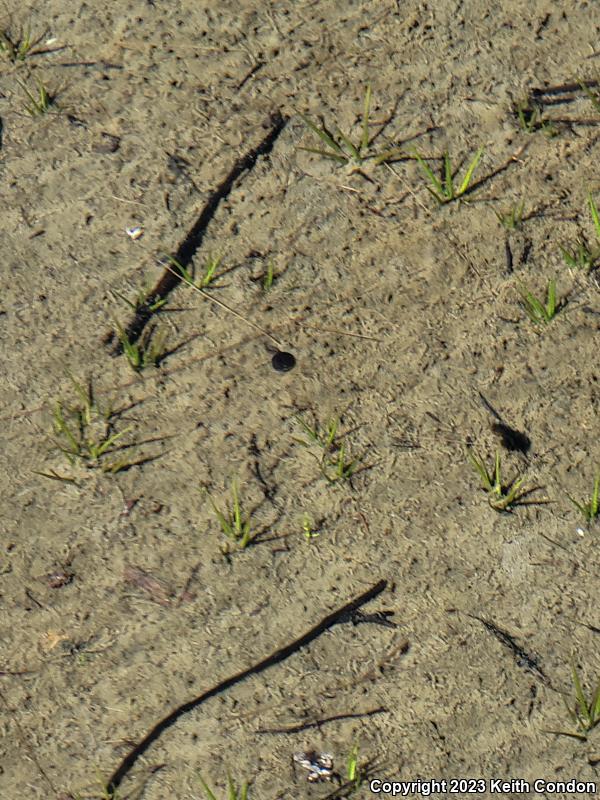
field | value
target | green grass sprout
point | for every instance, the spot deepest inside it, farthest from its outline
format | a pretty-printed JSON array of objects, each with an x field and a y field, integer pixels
[
  {"x": 594, "y": 213},
  {"x": 502, "y": 496},
  {"x": 513, "y": 218},
  {"x": 210, "y": 267},
  {"x": 338, "y": 467},
  {"x": 233, "y": 793},
  {"x": 590, "y": 508},
  {"x": 140, "y": 300},
  {"x": 530, "y": 118},
  {"x": 581, "y": 255},
  {"x": 340, "y": 148},
  {"x": 40, "y": 102},
  {"x": 538, "y": 312},
  {"x": 353, "y": 771},
  {"x": 584, "y": 713},
  {"x": 147, "y": 351},
  {"x": 233, "y": 524},
  {"x": 593, "y": 96},
  {"x": 333, "y": 462},
  {"x": 324, "y": 438},
  {"x": 308, "y": 528},
  {"x": 85, "y": 432},
  {"x": 443, "y": 189},
  {"x": 19, "y": 48},
  {"x": 269, "y": 275}
]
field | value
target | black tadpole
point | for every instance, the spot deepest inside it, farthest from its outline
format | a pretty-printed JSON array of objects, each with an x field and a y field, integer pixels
[{"x": 283, "y": 362}]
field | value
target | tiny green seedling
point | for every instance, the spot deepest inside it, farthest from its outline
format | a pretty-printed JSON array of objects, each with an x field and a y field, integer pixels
[
  {"x": 538, "y": 312},
  {"x": 353, "y": 771},
  {"x": 338, "y": 467},
  {"x": 17, "y": 49},
  {"x": 585, "y": 714},
  {"x": 501, "y": 496},
  {"x": 269, "y": 275},
  {"x": 334, "y": 464},
  {"x": 210, "y": 266},
  {"x": 324, "y": 438},
  {"x": 590, "y": 508},
  {"x": 85, "y": 433},
  {"x": 340, "y": 147},
  {"x": 595, "y": 215},
  {"x": 513, "y": 218},
  {"x": 147, "y": 351},
  {"x": 530, "y": 117},
  {"x": 593, "y": 96},
  {"x": 233, "y": 793},
  {"x": 309, "y": 531},
  {"x": 443, "y": 189},
  {"x": 582, "y": 255},
  {"x": 39, "y": 102},
  {"x": 141, "y": 300},
  {"x": 233, "y": 524}
]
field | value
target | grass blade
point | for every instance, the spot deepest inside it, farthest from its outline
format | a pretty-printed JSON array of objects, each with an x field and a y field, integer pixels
[
  {"x": 325, "y": 154},
  {"x": 594, "y": 212},
  {"x": 207, "y": 791},
  {"x": 582, "y": 704},
  {"x": 323, "y": 135},
  {"x": 432, "y": 177},
  {"x": 448, "y": 180},
  {"x": 595, "y": 497},
  {"x": 353, "y": 150},
  {"x": 551, "y": 304},
  {"x": 364, "y": 142},
  {"x": 481, "y": 470},
  {"x": 472, "y": 167}
]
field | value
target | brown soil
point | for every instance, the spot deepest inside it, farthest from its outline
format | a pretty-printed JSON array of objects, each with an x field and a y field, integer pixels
[{"x": 117, "y": 603}]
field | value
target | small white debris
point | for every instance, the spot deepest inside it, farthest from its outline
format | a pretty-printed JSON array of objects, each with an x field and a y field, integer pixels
[
  {"x": 319, "y": 765},
  {"x": 580, "y": 531},
  {"x": 51, "y": 41},
  {"x": 135, "y": 232}
]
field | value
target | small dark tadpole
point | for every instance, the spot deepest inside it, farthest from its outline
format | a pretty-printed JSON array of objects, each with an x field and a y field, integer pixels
[{"x": 283, "y": 362}]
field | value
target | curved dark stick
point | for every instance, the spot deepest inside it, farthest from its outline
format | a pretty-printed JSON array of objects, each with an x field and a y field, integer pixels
[
  {"x": 341, "y": 615},
  {"x": 193, "y": 240}
]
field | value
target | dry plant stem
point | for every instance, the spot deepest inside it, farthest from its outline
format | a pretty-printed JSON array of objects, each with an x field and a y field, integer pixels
[
  {"x": 193, "y": 239},
  {"x": 339, "y": 333},
  {"x": 227, "y": 308},
  {"x": 142, "y": 377}
]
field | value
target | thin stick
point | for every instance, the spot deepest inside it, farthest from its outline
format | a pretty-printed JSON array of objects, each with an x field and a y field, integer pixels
[
  {"x": 194, "y": 237},
  {"x": 223, "y": 305},
  {"x": 340, "y": 333},
  {"x": 342, "y": 614}
]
